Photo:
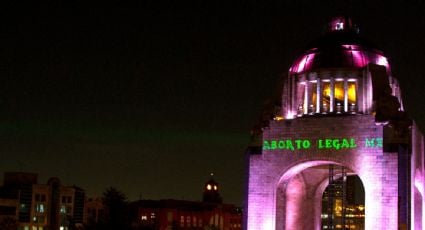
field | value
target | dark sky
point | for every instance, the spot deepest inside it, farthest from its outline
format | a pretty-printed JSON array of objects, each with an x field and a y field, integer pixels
[{"x": 151, "y": 98}]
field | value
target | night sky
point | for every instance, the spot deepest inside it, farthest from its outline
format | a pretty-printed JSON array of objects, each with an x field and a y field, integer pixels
[{"x": 152, "y": 98}]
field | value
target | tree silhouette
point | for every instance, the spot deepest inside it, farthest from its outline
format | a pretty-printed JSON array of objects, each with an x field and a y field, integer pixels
[{"x": 115, "y": 210}]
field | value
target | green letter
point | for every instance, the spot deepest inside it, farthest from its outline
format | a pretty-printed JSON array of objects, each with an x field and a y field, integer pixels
[
  {"x": 320, "y": 144},
  {"x": 370, "y": 143},
  {"x": 306, "y": 144},
  {"x": 289, "y": 145},
  {"x": 345, "y": 144},
  {"x": 298, "y": 142},
  {"x": 352, "y": 143},
  {"x": 266, "y": 145},
  {"x": 378, "y": 142},
  {"x": 328, "y": 143},
  {"x": 274, "y": 145},
  {"x": 335, "y": 144},
  {"x": 281, "y": 144}
]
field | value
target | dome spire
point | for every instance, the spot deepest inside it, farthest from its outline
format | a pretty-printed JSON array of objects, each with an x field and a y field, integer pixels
[
  {"x": 342, "y": 23},
  {"x": 211, "y": 191}
]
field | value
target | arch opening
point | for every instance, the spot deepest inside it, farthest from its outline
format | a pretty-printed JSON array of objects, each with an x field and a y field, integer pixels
[{"x": 300, "y": 193}]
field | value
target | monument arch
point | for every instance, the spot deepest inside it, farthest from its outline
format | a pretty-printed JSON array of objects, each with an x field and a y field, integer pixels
[{"x": 340, "y": 106}]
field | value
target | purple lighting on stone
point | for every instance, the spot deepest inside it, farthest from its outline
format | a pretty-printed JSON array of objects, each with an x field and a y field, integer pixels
[
  {"x": 304, "y": 63},
  {"x": 287, "y": 179},
  {"x": 290, "y": 115},
  {"x": 418, "y": 203},
  {"x": 381, "y": 60},
  {"x": 351, "y": 55},
  {"x": 357, "y": 55},
  {"x": 283, "y": 199}
]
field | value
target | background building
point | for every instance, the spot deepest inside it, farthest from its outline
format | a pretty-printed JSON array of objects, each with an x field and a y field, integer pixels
[
  {"x": 341, "y": 205},
  {"x": 211, "y": 213},
  {"x": 93, "y": 211},
  {"x": 37, "y": 206}
]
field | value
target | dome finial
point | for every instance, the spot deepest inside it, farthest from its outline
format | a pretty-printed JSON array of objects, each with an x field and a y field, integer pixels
[
  {"x": 211, "y": 191},
  {"x": 342, "y": 23}
]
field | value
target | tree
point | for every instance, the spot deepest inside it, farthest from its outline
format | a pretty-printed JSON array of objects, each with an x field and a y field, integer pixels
[{"x": 116, "y": 210}]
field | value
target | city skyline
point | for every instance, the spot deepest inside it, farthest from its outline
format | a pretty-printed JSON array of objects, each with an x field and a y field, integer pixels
[{"x": 152, "y": 98}]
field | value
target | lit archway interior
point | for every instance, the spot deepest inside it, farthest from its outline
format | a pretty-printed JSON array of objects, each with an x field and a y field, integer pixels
[
  {"x": 343, "y": 203},
  {"x": 301, "y": 192}
]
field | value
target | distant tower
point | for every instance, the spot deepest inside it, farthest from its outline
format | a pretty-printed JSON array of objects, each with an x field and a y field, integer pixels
[{"x": 211, "y": 194}]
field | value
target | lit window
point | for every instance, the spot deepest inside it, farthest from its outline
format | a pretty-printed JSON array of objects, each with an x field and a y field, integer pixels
[
  {"x": 39, "y": 208},
  {"x": 181, "y": 221},
  {"x": 312, "y": 97},
  {"x": 144, "y": 217},
  {"x": 300, "y": 98},
  {"x": 326, "y": 96},
  {"x": 339, "y": 94},
  {"x": 215, "y": 187},
  {"x": 23, "y": 208},
  {"x": 209, "y": 187},
  {"x": 63, "y": 209},
  {"x": 352, "y": 96}
]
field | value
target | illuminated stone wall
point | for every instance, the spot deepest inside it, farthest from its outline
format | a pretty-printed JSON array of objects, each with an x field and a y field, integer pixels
[
  {"x": 341, "y": 106},
  {"x": 417, "y": 175},
  {"x": 285, "y": 186}
]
